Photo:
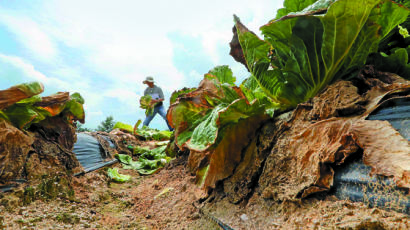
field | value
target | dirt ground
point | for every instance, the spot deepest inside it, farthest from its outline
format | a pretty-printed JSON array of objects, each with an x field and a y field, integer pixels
[{"x": 169, "y": 199}]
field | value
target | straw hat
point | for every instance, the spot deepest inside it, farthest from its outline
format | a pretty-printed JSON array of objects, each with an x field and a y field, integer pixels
[{"x": 148, "y": 79}]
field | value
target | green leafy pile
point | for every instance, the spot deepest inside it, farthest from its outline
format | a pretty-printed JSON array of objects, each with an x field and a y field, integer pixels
[
  {"x": 145, "y": 132},
  {"x": 154, "y": 134},
  {"x": 137, "y": 150},
  {"x": 33, "y": 108},
  {"x": 311, "y": 44},
  {"x": 199, "y": 116},
  {"x": 148, "y": 162},
  {"x": 114, "y": 175},
  {"x": 123, "y": 126},
  {"x": 24, "y": 113},
  {"x": 146, "y": 103}
]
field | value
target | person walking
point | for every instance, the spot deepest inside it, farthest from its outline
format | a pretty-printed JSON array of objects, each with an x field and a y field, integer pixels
[{"x": 157, "y": 97}]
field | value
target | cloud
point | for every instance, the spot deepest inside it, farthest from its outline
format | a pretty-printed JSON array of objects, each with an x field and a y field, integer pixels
[
  {"x": 31, "y": 73},
  {"x": 127, "y": 97},
  {"x": 211, "y": 42},
  {"x": 132, "y": 39},
  {"x": 31, "y": 35},
  {"x": 94, "y": 115},
  {"x": 195, "y": 74}
]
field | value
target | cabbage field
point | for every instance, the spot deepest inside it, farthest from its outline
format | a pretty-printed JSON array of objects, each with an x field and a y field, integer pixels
[{"x": 328, "y": 87}]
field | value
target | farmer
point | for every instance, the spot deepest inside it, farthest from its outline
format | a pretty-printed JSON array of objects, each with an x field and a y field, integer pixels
[{"x": 157, "y": 97}]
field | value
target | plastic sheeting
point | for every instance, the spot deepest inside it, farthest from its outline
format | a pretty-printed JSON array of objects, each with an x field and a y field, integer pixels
[
  {"x": 353, "y": 181},
  {"x": 14, "y": 184},
  {"x": 397, "y": 113},
  {"x": 90, "y": 153}
]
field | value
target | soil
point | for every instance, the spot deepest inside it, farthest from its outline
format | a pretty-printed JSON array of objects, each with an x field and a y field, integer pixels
[
  {"x": 160, "y": 201},
  {"x": 170, "y": 199}
]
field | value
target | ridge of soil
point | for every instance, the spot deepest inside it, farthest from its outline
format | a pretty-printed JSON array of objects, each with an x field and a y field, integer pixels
[{"x": 169, "y": 200}]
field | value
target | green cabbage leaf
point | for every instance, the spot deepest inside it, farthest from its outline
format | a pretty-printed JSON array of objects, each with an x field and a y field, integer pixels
[
  {"x": 179, "y": 93},
  {"x": 308, "y": 47},
  {"x": 123, "y": 126},
  {"x": 201, "y": 115},
  {"x": 394, "y": 50},
  {"x": 114, "y": 175},
  {"x": 19, "y": 92},
  {"x": 146, "y": 103},
  {"x": 397, "y": 62},
  {"x": 148, "y": 162},
  {"x": 154, "y": 134},
  {"x": 145, "y": 131},
  {"x": 28, "y": 111},
  {"x": 24, "y": 113},
  {"x": 75, "y": 107}
]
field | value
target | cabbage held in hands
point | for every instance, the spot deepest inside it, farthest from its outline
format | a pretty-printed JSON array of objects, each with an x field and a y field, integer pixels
[{"x": 147, "y": 104}]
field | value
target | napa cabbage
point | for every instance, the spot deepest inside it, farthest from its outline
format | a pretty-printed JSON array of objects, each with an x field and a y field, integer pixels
[
  {"x": 33, "y": 109},
  {"x": 199, "y": 116},
  {"x": 307, "y": 47},
  {"x": 146, "y": 103}
]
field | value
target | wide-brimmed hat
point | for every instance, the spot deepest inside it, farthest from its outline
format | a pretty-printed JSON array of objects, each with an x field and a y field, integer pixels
[{"x": 148, "y": 79}]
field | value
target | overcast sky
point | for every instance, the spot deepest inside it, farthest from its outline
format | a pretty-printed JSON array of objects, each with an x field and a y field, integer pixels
[{"x": 104, "y": 49}]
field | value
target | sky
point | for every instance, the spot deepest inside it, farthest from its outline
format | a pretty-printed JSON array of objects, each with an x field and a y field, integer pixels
[{"x": 104, "y": 49}]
